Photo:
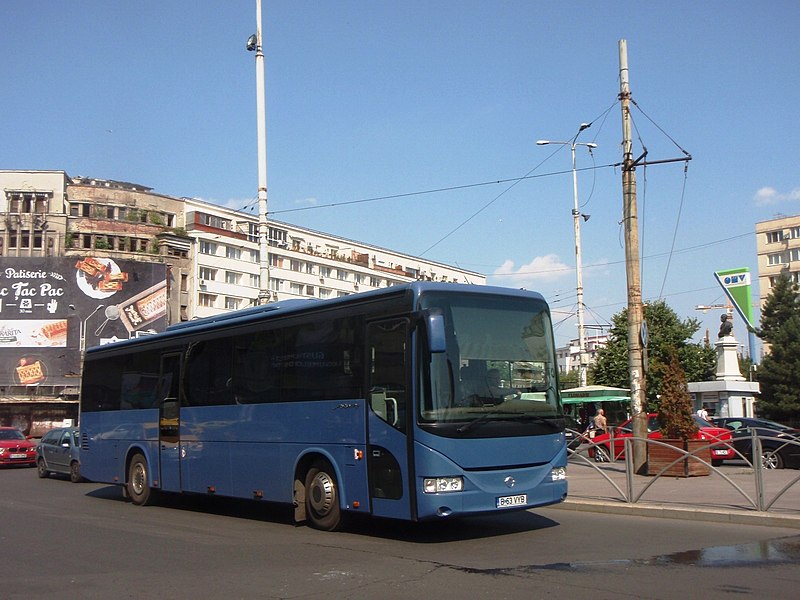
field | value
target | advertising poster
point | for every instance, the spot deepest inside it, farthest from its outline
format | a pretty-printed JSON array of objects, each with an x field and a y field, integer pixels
[{"x": 52, "y": 308}]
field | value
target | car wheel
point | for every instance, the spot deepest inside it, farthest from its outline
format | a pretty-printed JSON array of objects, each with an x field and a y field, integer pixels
[
  {"x": 322, "y": 497},
  {"x": 75, "y": 472},
  {"x": 770, "y": 459},
  {"x": 601, "y": 454},
  {"x": 41, "y": 469},
  {"x": 138, "y": 487}
]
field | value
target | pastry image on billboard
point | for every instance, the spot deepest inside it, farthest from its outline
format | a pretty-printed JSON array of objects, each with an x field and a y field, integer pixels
[
  {"x": 99, "y": 277},
  {"x": 144, "y": 308},
  {"x": 30, "y": 372},
  {"x": 55, "y": 333}
]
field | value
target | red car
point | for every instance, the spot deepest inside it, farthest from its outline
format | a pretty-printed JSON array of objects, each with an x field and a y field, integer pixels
[
  {"x": 602, "y": 451},
  {"x": 15, "y": 448}
]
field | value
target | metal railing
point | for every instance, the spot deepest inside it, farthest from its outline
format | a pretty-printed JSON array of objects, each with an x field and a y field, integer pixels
[{"x": 600, "y": 454}]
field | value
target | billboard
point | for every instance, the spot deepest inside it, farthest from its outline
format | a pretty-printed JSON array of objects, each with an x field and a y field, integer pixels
[
  {"x": 52, "y": 308},
  {"x": 737, "y": 285}
]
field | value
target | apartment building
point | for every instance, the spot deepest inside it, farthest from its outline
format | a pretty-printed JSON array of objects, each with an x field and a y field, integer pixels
[
  {"x": 303, "y": 263},
  {"x": 778, "y": 252},
  {"x": 568, "y": 357}
]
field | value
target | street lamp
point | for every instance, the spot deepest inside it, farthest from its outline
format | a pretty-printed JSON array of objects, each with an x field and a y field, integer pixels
[{"x": 576, "y": 217}]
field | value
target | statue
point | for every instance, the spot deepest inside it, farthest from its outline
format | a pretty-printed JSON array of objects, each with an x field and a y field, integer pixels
[{"x": 726, "y": 327}]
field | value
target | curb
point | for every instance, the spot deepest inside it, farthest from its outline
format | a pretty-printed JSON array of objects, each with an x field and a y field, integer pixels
[{"x": 661, "y": 511}]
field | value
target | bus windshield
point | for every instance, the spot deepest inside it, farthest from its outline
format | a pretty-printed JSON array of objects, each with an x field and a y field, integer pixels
[{"x": 498, "y": 369}]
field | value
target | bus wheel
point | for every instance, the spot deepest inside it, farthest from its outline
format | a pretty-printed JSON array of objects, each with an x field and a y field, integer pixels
[
  {"x": 322, "y": 497},
  {"x": 137, "y": 486}
]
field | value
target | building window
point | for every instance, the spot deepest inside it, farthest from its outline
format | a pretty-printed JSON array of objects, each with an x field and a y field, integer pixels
[
  {"x": 208, "y": 247},
  {"x": 794, "y": 254},
  {"x": 255, "y": 281},
  {"x": 233, "y": 277},
  {"x": 232, "y": 303},
  {"x": 775, "y": 259},
  {"x": 296, "y": 288},
  {"x": 774, "y": 236},
  {"x": 275, "y": 261},
  {"x": 342, "y": 275},
  {"x": 234, "y": 253},
  {"x": 278, "y": 237},
  {"x": 276, "y": 285},
  {"x": 296, "y": 265},
  {"x": 207, "y": 300},
  {"x": 324, "y": 271},
  {"x": 207, "y": 273},
  {"x": 375, "y": 281},
  {"x": 325, "y": 293}
]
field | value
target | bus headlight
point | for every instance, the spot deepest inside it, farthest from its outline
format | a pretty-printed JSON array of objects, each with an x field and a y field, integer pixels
[
  {"x": 558, "y": 474},
  {"x": 438, "y": 485}
]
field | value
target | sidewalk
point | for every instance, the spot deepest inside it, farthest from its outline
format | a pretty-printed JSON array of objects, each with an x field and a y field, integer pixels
[{"x": 710, "y": 498}]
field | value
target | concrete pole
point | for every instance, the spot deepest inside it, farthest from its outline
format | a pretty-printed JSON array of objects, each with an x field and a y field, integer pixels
[
  {"x": 263, "y": 228},
  {"x": 632, "y": 270}
]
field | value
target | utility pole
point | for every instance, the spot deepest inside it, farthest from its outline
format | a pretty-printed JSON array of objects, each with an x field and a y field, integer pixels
[
  {"x": 636, "y": 328},
  {"x": 254, "y": 44}
]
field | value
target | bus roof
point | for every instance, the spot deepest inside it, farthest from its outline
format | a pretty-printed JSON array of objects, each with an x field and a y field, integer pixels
[{"x": 298, "y": 306}]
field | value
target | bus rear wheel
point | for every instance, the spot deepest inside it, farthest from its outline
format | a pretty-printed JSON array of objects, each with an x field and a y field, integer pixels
[
  {"x": 138, "y": 487},
  {"x": 322, "y": 497}
]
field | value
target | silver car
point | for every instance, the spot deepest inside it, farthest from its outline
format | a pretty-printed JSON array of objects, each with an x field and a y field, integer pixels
[{"x": 59, "y": 452}]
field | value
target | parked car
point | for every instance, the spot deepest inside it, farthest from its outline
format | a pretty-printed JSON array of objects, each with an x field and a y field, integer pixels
[
  {"x": 15, "y": 448},
  {"x": 722, "y": 451},
  {"x": 780, "y": 444},
  {"x": 59, "y": 452}
]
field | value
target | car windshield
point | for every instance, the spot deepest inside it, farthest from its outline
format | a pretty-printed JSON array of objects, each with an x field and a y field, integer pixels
[
  {"x": 499, "y": 366},
  {"x": 11, "y": 434},
  {"x": 75, "y": 438}
]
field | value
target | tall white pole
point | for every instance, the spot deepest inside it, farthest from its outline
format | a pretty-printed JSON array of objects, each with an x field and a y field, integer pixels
[
  {"x": 576, "y": 215},
  {"x": 263, "y": 228}
]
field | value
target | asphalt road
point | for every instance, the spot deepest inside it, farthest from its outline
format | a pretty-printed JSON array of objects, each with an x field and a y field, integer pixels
[{"x": 64, "y": 540}]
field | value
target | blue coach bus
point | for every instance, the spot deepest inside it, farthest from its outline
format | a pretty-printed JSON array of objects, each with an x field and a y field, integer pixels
[{"x": 416, "y": 402}]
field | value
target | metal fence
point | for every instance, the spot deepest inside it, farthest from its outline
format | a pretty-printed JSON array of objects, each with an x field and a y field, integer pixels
[{"x": 756, "y": 485}]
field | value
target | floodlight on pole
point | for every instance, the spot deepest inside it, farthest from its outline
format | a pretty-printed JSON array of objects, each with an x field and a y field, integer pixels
[{"x": 576, "y": 219}]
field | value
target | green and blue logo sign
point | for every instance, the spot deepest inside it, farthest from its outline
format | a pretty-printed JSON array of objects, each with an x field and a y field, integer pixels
[{"x": 737, "y": 286}]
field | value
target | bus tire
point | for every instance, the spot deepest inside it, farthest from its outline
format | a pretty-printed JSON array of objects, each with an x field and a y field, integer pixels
[
  {"x": 137, "y": 486},
  {"x": 322, "y": 497}
]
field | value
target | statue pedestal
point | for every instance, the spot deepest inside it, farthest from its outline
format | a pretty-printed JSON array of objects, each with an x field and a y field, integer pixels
[{"x": 728, "y": 360}]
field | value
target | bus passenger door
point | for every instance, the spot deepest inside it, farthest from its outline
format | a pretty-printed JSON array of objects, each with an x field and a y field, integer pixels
[
  {"x": 389, "y": 408},
  {"x": 169, "y": 422}
]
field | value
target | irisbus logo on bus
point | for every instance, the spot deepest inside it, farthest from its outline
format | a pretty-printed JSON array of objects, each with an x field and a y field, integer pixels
[{"x": 347, "y": 405}]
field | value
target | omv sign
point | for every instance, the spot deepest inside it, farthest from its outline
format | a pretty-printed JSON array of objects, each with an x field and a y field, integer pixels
[{"x": 736, "y": 279}]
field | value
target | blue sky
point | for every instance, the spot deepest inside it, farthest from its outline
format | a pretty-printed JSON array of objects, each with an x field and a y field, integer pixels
[{"x": 371, "y": 98}]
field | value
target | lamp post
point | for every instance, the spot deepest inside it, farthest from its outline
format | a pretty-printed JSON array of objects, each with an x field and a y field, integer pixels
[
  {"x": 254, "y": 45},
  {"x": 576, "y": 218}
]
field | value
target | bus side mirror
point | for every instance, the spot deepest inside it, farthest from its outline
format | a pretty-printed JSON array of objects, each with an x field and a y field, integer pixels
[{"x": 434, "y": 325}]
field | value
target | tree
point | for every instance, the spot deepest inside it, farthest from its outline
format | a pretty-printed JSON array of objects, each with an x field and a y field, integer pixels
[
  {"x": 667, "y": 334},
  {"x": 675, "y": 405},
  {"x": 779, "y": 372},
  {"x": 783, "y": 301}
]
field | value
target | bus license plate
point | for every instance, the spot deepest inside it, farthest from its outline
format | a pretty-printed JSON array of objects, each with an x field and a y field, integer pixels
[{"x": 506, "y": 501}]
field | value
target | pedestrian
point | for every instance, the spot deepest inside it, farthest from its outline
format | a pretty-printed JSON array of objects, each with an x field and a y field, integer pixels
[
  {"x": 702, "y": 413},
  {"x": 600, "y": 422}
]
